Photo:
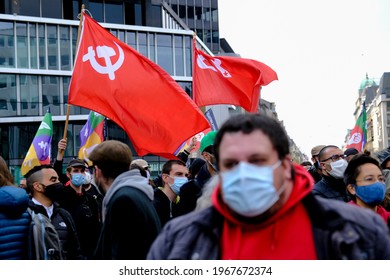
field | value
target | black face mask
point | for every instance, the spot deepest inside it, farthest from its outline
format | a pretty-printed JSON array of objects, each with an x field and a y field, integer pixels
[{"x": 54, "y": 191}]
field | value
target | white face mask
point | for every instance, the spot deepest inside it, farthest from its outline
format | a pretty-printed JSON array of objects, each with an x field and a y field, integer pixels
[
  {"x": 87, "y": 178},
  {"x": 338, "y": 168}
]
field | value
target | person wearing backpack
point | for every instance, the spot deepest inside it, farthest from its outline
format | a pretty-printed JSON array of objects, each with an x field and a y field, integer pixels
[
  {"x": 44, "y": 185},
  {"x": 14, "y": 218}
]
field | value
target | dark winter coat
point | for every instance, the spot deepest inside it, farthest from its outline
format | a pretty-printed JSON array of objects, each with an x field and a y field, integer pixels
[
  {"x": 331, "y": 188},
  {"x": 130, "y": 222},
  {"x": 66, "y": 229},
  {"x": 14, "y": 223}
]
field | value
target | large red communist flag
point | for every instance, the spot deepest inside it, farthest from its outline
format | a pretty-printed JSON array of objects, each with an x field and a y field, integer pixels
[
  {"x": 111, "y": 78},
  {"x": 229, "y": 80}
]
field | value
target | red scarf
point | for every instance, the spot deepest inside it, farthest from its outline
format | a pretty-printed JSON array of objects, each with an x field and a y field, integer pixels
[
  {"x": 380, "y": 210},
  {"x": 287, "y": 235}
]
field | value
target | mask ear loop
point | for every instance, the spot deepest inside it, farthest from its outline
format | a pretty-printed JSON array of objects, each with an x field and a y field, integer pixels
[{"x": 284, "y": 186}]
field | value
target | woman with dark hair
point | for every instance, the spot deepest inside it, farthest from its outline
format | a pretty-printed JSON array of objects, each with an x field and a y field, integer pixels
[{"x": 366, "y": 184}]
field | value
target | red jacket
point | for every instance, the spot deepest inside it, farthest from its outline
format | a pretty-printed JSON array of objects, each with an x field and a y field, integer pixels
[{"x": 285, "y": 235}]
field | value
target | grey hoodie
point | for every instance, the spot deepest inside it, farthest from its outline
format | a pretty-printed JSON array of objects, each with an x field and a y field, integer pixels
[{"x": 131, "y": 179}]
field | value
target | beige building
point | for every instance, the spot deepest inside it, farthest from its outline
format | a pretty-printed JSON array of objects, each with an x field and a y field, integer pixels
[{"x": 377, "y": 99}]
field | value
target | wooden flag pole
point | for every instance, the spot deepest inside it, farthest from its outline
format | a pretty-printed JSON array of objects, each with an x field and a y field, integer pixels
[{"x": 77, "y": 47}]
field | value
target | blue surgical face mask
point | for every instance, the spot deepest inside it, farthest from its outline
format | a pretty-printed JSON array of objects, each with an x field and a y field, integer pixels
[
  {"x": 249, "y": 189},
  {"x": 372, "y": 194},
  {"x": 178, "y": 182},
  {"x": 78, "y": 179}
]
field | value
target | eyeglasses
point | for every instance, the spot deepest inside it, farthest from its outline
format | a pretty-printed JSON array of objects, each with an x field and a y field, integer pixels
[{"x": 334, "y": 158}]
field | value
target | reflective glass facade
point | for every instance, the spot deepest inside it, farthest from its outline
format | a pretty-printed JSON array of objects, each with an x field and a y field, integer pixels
[
  {"x": 200, "y": 16},
  {"x": 37, "y": 49}
]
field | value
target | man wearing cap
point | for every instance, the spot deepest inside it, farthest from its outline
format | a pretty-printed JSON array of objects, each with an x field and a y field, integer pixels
[
  {"x": 82, "y": 208},
  {"x": 130, "y": 222},
  {"x": 207, "y": 151},
  {"x": 143, "y": 164},
  {"x": 349, "y": 153},
  {"x": 73, "y": 197},
  {"x": 315, "y": 170}
]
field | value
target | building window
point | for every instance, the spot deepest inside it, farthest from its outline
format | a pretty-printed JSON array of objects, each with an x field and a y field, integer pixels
[
  {"x": 51, "y": 8},
  {"x": 33, "y": 45},
  {"x": 113, "y": 12},
  {"x": 7, "y": 95},
  {"x": 65, "y": 47},
  {"x": 21, "y": 42},
  {"x": 29, "y": 95},
  {"x": 96, "y": 9},
  {"x": 152, "y": 48},
  {"x": 142, "y": 44},
  {"x": 28, "y": 8},
  {"x": 42, "y": 46},
  {"x": 164, "y": 52},
  {"x": 7, "y": 44},
  {"x": 188, "y": 55},
  {"x": 51, "y": 94},
  {"x": 130, "y": 39},
  {"x": 52, "y": 47},
  {"x": 214, "y": 15},
  {"x": 179, "y": 56}
]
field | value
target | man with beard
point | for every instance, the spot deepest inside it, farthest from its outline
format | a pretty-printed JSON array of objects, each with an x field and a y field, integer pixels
[
  {"x": 333, "y": 164},
  {"x": 315, "y": 170},
  {"x": 130, "y": 222}
]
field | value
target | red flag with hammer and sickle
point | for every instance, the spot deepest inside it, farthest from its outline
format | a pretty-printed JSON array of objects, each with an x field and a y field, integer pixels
[
  {"x": 229, "y": 80},
  {"x": 113, "y": 79}
]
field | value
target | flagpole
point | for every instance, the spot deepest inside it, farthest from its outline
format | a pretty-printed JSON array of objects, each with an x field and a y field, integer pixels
[
  {"x": 202, "y": 109},
  {"x": 77, "y": 47}
]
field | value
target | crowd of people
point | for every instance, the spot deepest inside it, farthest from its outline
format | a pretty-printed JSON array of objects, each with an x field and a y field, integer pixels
[{"x": 243, "y": 198}]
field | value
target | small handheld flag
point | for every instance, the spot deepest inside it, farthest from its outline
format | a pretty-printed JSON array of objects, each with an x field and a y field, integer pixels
[
  {"x": 40, "y": 149},
  {"x": 91, "y": 135}
]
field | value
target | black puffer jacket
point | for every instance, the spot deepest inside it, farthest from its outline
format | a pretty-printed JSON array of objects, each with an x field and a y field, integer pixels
[{"x": 64, "y": 224}]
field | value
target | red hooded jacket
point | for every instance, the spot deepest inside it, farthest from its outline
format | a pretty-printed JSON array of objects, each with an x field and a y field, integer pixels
[{"x": 286, "y": 235}]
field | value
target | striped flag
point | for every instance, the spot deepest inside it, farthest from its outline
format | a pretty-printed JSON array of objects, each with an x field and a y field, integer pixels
[
  {"x": 358, "y": 135},
  {"x": 40, "y": 149},
  {"x": 91, "y": 135},
  {"x": 187, "y": 143}
]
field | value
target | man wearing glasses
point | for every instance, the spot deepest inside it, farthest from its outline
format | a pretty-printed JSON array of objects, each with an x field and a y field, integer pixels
[{"x": 333, "y": 164}]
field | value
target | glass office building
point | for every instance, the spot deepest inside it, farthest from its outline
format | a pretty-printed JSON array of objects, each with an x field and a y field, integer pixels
[{"x": 37, "y": 49}]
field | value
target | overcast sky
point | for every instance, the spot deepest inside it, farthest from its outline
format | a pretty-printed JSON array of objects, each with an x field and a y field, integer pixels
[{"x": 321, "y": 51}]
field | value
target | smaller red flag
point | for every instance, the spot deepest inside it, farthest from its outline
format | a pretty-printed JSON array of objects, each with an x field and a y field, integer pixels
[{"x": 229, "y": 80}]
